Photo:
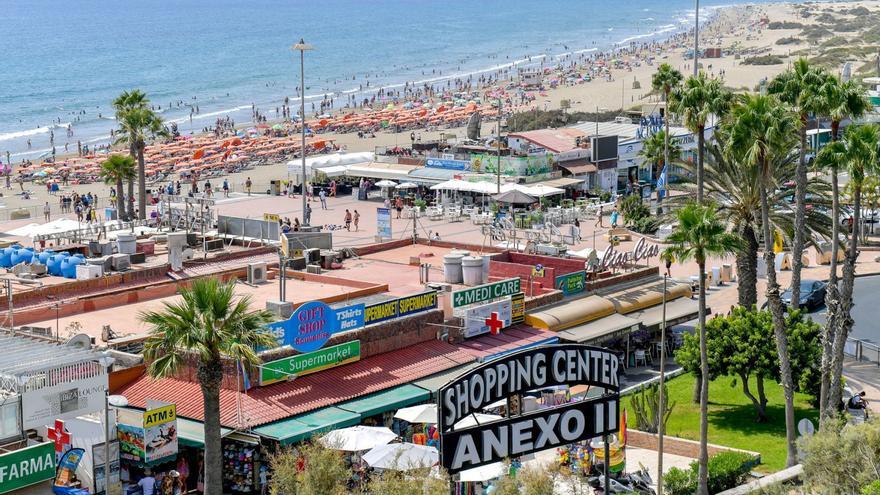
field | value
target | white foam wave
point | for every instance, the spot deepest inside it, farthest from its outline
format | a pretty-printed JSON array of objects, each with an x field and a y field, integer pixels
[{"x": 32, "y": 132}]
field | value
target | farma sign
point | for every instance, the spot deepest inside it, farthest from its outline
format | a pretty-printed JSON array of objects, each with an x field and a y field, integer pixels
[{"x": 26, "y": 467}]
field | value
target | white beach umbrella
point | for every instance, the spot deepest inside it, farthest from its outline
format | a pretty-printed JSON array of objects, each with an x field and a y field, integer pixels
[
  {"x": 423, "y": 413},
  {"x": 406, "y": 185},
  {"x": 357, "y": 438},
  {"x": 402, "y": 456},
  {"x": 483, "y": 473},
  {"x": 450, "y": 185},
  {"x": 386, "y": 183},
  {"x": 542, "y": 190},
  {"x": 476, "y": 419}
]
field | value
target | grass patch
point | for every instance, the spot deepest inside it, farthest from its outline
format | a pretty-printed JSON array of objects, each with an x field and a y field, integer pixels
[
  {"x": 762, "y": 60},
  {"x": 732, "y": 418}
]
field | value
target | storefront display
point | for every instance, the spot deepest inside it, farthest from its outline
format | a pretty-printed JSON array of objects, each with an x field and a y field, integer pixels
[{"x": 242, "y": 463}]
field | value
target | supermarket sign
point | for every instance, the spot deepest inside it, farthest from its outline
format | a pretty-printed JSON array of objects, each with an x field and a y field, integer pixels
[
  {"x": 310, "y": 362},
  {"x": 403, "y": 306},
  {"x": 26, "y": 467},
  {"x": 487, "y": 292}
]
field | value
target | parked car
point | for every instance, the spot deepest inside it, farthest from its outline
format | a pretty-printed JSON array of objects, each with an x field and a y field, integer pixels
[{"x": 812, "y": 294}]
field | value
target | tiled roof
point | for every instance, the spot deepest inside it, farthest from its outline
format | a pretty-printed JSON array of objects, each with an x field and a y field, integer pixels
[
  {"x": 508, "y": 340},
  {"x": 266, "y": 404},
  {"x": 556, "y": 140}
]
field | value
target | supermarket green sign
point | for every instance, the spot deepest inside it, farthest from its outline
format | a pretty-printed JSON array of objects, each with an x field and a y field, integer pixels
[
  {"x": 310, "y": 362},
  {"x": 572, "y": 283},
  {"x": 26, "y": 467}
]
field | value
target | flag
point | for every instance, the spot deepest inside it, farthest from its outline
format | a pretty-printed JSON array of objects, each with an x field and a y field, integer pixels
[
  {"x": 245, "y": 377},
  {"x": 661, "y": 183},
  {"x": 623, "y": 429}
]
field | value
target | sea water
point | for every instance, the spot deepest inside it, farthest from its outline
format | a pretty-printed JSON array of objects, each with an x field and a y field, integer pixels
[{"x": 64, "y": 62}]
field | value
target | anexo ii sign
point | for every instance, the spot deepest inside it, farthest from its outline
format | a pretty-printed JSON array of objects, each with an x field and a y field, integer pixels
[{"x": 514, "y": 374}]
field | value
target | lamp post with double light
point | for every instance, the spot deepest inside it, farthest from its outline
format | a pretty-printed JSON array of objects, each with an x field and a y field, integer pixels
[{"x": 302, "y": 47}]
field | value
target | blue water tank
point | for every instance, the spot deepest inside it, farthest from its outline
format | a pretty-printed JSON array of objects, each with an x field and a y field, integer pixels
[
  {"x": 68, "y": 266},
  {"x": 54, "y": 264},
  {"x": 6, "y": 256},
  {"x": 43, "y": 257},
  {"x": 25, "y": 255}
]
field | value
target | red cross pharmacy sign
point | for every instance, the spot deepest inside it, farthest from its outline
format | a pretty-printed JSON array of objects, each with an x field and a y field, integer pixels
[{"x": 494, "y": 323}]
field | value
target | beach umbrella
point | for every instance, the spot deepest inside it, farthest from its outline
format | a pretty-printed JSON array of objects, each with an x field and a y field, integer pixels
[
  {"x": 406, "y": 185},
  {"x": 542, "y": 190},
  {"x": 386, "y": 183},
  {"x": 515, "y": 197},
  {"x": 482, "y": 473},
  {"x": 278, "y": 127},
  {"x": 401, "y": 456},
  {"x": 422, "y": 414},
  {"x": 357, "y": 438},
  {"x": 476, "y": 419}
]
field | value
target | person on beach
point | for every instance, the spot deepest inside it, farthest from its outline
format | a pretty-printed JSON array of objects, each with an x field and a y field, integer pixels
[
  {"x": 225, "y": 188},
  {"x": 47, "y": 211},
  {"x": 347, "y": 220},
  {"x": 357, "y": 219},
  {"x": 247, "y": 185}
]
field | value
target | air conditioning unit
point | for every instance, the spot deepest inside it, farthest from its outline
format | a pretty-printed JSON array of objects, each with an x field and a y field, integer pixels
[
  {"x": 256, "y": 273},
  {"x": 439, "y": 286}
]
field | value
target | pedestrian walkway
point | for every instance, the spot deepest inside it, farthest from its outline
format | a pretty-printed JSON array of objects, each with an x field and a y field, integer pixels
[{"x": 864, "y": 375}]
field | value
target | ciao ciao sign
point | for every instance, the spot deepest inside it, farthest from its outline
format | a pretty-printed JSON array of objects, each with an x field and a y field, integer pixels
[
  {"x": 512, "y": 375},
  {"x": 618, "y": 259}
]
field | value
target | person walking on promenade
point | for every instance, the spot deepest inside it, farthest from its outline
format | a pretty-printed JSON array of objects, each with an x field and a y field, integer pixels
[
  {"x": 357, "y": 219},
  {"x": 247, "y": 185},
  {"x": 599, "y": 220},
  {"x": 323, "y": 197},
  {"x": 347, "y": 220},
  {"x": 47, "y": 211}
]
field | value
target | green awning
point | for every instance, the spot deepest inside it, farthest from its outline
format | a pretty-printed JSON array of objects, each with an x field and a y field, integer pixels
[
  {"x": 192, "y": 433},
  {"x": 386, "y": 400},
  {"x": 297, "y": 428}
]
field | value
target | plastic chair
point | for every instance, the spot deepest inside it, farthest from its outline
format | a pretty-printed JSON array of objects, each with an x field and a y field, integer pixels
[{"x": 641, "y": 356}]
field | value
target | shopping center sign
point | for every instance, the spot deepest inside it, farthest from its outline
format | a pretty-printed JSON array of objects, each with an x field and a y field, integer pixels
[
  {"x": 310, "y": 362},
  {"x": 487, "y": 292},
  {"x": 25, "y": 467},
  {"x": 312, "y": 324},
  {"x": 512, "y": 375}
]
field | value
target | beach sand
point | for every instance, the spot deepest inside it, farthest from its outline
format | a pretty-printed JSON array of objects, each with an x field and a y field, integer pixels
[{"x": 737, "y": 26}]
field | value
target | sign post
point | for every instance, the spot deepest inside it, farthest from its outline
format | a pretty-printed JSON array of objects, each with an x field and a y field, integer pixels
[{"x": 383, "y": 223}]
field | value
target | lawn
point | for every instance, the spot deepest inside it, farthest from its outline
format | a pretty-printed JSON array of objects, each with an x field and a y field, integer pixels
[{"x": 732, "y": 418}]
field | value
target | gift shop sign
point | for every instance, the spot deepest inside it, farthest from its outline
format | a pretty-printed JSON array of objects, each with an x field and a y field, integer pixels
[
  {"x": 314, "y": 322},
  {"x": 516, "y": 373}
]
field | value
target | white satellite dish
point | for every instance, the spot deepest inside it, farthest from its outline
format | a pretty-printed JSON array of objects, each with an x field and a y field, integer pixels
[
  {"x": 806, "y": 428},
  {"x": 80, "y": 341}
]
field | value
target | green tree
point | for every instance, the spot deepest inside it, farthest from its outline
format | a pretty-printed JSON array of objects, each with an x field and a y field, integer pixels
[
  {"x": 760, "y": 126},
  {"x": 309, "y": 469},
  {"x": 129, "y": 100},
  {"x": 394, "y": 482},
  {"x": 655, "y": 149},
  {"x": 735, "y": 187},
  {"x": 859, "y": 153},
  {"x": 698, "y": 236},
  {"x": 841, "y": 460},
  {"x": 699, "y": 98},
  {"x": 840, "y": 101},
  {"x": 800, "y": 88},
  {"x": 205, "y": 326},
  {"x": 666, "y": 80},
  {"x": 115, "y": 171},
  {"x": 137, "y": 126},
  {"x": 741, "y": 345}
]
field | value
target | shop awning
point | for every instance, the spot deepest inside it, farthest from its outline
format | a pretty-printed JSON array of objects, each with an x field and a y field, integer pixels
[
  {"x": 646, "y": 295},
  {"x": 677, "y": 312},
  {"x": 386, "y": 400},
  {"x": 600, "y": 329},
  {"x": 433, "y": 175},
  {"x": 192, "y": 433},
  {"x": 302, "y": 427},
  {"x": 561, "y": 182},
  {"x": 571, "y": 314},
  {"x": 579, "y": 167},
  {"x": 434, "y": 382},
  {"x": 381, "y": 170}
]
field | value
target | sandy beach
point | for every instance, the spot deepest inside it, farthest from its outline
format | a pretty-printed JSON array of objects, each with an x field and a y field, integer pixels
[{"x": 743, "y": 28}]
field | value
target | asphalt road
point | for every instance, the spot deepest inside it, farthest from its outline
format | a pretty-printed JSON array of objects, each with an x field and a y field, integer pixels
[{"x": 866, "y": 298}]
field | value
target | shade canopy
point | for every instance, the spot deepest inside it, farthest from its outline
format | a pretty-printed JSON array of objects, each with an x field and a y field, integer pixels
[
  {"x": 402, "y": 456},
  {"x": 514, "y": 197},
  {"x": 386, "y": 183},
  {"x": 423, "y": 414},
  {"x": 483, "y": 473},
  {"x": 476, "y": 419},
  {"x": 357, "y": 438},
  {"x": 406, "y": 185}
]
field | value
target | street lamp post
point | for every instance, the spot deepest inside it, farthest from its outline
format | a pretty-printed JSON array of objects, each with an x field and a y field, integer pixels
[
  {"x": 696, "y": 35},
  {"x": 107, "y": 361},
  {"x": 302, "y": 47},
  {"x": 661, "y": 427},
  {"x": 498, "y": 145}
]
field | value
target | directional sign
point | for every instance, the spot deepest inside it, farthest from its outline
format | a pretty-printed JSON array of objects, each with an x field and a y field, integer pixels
[{"x": 486, "y": 292}]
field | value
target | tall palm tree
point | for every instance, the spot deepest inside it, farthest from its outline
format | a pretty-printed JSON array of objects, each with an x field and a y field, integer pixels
[
  {"x": 760, "y": 125},
  {"x": 698, "y": 99},
  {"x": 666, "y": 79},
  {"x": 115, "y": 171},
  {"x": 699, "y": 235},
  {"x": 656, "y": 149},
  {"x": 840, "y": 101},
  {"x": 207, "y": 325},
  {"x": 735, "y": 188},
  {"x": 129, "y": 100},
  {"x": 859, "y": 152},
  {"x": 800, "y": 88},
  {"x": 137, "y": 126}
]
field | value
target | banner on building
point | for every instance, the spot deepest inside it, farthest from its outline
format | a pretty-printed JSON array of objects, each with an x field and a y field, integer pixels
[
  {"x": 160, "y": 431},
  {"x": 67, "y": 400}
]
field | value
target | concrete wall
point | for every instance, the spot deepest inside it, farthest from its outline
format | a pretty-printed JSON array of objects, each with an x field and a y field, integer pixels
[{"x": 678, "y": 446}]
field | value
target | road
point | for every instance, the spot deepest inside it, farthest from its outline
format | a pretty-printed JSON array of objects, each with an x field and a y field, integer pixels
[{"x": 865, "y": 301}]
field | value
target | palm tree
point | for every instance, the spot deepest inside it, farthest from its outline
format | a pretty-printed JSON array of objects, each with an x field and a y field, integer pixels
[
  {"x": 840, "y": 101},
  {"x": 666, "y": 79},
  {"x": 115, "y": 171},
  {"x": 800, "y": 88},
  {"x": 129, "y": 100},
  {"x": 699, "y": 98},
  {"x": 137, "y": 126},
  {"x": 655, "y": 150},
  {"x": 207, "y": 325},
  {"x": 760, "y": 125},
  {"x": 734, "y": 187},
  {"x": 699, "y": 235},
  {"x": 859, "y": 152}
]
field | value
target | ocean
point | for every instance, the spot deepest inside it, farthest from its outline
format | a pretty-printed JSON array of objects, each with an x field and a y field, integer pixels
[{"x": 64, "y": 62}]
